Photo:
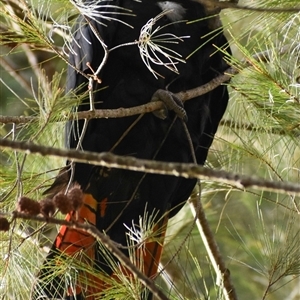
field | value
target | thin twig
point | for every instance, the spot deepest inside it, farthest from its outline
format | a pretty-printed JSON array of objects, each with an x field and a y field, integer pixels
[
  {"x": 16, "y": 74},
  {"x": 253, "y": 127},
  {"x": 208, "y": 239},
  {"x": 214, "y": 6},
  {"x": 213, "y": 251}
]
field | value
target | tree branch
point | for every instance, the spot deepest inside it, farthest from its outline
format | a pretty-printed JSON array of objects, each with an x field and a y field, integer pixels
[
  {"x": 107, "y": 242},
  {"x": 214, "y": 6},
  {"x": 126, "y": 112},
  {"x": 185, "y": 170},
  {"x": 152, "y": 106},
  {"x": 213, "y": 251}
]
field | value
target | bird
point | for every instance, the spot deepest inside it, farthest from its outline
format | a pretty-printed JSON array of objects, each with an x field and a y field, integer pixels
[{"x": 126, "y": 53}]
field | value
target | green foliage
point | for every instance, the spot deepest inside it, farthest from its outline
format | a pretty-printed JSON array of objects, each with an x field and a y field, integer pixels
[{"x": 257, "y": 231}]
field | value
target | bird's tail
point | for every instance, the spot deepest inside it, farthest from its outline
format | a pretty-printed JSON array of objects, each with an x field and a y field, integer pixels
[{"x": 82, "y": 250}]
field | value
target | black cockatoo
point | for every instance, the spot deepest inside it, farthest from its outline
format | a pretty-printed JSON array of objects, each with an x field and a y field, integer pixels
[{"x": 147, "y": 50}]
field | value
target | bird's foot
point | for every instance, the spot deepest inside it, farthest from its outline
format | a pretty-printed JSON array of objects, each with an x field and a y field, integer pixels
[{"x": 171, "y": 102}]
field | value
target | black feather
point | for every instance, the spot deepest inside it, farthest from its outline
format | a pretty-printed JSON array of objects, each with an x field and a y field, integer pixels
[{"x": 127, "y": 82}]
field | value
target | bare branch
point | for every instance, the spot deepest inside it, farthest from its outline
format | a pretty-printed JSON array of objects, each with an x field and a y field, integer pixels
[
  {"x": 110, "y": 160},
  {"x": 214, "y": 6},
  {"x": 109, "y": 244},
  {"x": 223, "y": 274},
  {"x": 152, "y": 106},
  {"x": 131, "y": 111}
]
